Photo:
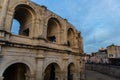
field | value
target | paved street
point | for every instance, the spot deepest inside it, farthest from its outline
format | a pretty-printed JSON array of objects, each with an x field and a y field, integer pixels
[{"x": 92, "y": 75}]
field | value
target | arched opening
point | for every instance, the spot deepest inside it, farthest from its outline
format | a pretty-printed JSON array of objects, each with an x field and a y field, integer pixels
[
  {"x": 71, "y": 69},
  {"x": 53, "y": 30},
  {"x": 17, "y": 71},
  {"x": 70, "y": 39},
  {"x": 23, "y": 15},
  {"x": 52, "y": 72}
]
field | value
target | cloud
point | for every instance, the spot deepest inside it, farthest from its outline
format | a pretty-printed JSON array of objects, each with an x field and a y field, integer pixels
[{"x": 103, "y": 19}]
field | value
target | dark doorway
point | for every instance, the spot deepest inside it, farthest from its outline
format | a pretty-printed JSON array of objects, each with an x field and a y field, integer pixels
[
  {"x": 68, "y": 43},
  {"x": 51, "y": 72},
  {"x": 68, "y": 72},
  {"x": 71, "y": 70},
  {"x": 70, "y": 75}
]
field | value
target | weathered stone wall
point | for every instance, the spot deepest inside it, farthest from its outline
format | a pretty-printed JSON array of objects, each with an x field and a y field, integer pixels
[
  {"x": 105, "y": 69},
  {"x": 31, "y": 50}
]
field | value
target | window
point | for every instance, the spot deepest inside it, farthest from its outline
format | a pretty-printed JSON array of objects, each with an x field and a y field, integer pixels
[
  {"x": 110, "y": 55},
  {"x": 68, "y": 43},
  {"x": 53, "y": 29},
  {"x": 70, "y": 37},
  {"x": 22, "y": 20},
  {"x": 52, "y": 39}
]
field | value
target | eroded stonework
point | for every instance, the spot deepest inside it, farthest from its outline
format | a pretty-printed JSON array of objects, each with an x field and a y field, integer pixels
[{"x": 46, "y": 47}]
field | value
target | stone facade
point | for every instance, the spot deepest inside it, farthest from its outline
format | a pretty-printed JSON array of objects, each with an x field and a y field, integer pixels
[
  {"x": 100, "y": 56},
  {"x": 114, "y": 54},
  {"x": 113, "y": 51},
  {"x": 46, "y": 47}
]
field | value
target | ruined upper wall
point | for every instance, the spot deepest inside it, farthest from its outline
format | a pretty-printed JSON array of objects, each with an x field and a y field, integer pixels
[{"x": 37, "y": 22}]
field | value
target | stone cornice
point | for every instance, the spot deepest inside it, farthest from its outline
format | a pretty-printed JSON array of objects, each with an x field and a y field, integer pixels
[{"x": 37, "y": 47}]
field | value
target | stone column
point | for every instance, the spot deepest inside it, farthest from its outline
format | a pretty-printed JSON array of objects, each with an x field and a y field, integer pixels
[
  {"x": 0, "y": 51},
  {"x": 64, "y": 72},
  {"x": 1, "y": 78},
  {"x": 77, "y": 71},
  {"x": 74, "y": 75},
  {"x": 3, "y": 13},
  {"x": 64, "y": 75},
  {"x": 64, "y": 34},
  {"x": 82, "y": 69},
  {"x": 0, "y": 48},
  {"x": 29, "y": 76},
  {"x": 39, "y": 73},
  {"x": 32, "y": 77}
]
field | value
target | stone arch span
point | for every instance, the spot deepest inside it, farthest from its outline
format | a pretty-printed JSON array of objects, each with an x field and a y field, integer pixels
[
  {"x": 53, "y": 30},
  {"x": 70, "y": 37},
  {"x": 52, "y": 72},
  {"x": 6, "y": 65},
  {"x": 25, "y": 14},
  {"x": 17, "y": 71},
  {"x": 70, "y": 71}
]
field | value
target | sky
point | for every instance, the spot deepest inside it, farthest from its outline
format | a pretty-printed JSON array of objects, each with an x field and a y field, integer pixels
[{"x": 98, "y": 20}]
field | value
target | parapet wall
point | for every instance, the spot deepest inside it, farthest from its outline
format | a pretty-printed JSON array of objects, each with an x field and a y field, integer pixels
[{"x": 113, "y": 71}]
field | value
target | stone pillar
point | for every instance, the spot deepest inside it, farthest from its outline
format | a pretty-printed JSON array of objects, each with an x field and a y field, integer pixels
[
  {"x": 64, "y": 34},
  {"x": 64, "y": 75},
  {"x": 82, "y": 69},
  {"x": 1, "y": 51},
  {"x": 64, "y": 72},
  {"x": 74, "y": 75},
  {"x": 3, "y": 13},
  {"x": 32, "y": 77},
  {"x": 77, "y": 71},
  {"x": 29, "y": 76},
  {"x": 39, "y": 71},
  {"x": 1, "y": 78}
]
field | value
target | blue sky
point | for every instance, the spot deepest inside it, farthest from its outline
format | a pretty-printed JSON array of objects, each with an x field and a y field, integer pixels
[{"x": 98, "y": 20}]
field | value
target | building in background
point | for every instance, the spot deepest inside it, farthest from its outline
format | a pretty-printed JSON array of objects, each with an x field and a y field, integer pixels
[
  {"x": 109, "y": 55},
  {"x": 87, "y": 58},
  {"x": 46, "y": 47},
  {"x": 99, "y": 57},
  {"x": 113, "y": 54}
]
